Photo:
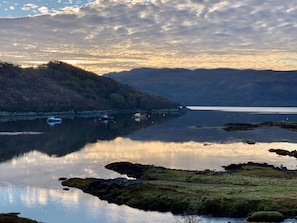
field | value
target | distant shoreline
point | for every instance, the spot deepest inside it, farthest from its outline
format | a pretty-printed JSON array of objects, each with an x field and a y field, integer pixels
[
  {"x": 266, "y": 110},
  {"x": 40, "y": 115},
  {"x": 71, "y": 114}
]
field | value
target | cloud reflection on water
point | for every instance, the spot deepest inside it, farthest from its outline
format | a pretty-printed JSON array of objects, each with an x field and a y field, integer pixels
[
  {"x": 191, "y": 155},
  {"x": 38, "y": 169},
  {"x": 54, "y": 205},
  {"x": 40, "y": 195}
]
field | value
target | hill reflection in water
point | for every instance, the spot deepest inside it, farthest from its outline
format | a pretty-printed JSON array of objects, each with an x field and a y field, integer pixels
[{"x": 19, "y": 137}]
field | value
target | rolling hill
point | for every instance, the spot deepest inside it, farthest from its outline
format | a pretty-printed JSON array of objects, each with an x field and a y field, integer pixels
[
  {"x": 57, "y": 86},
  {"x": 216, "y": 87}
]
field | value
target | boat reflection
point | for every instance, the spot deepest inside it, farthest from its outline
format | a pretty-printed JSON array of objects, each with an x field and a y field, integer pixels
[{"x": 52, "y": 121}]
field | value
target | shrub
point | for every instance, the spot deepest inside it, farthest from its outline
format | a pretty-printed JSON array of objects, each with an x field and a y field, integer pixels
[{"x": 266, "y": 216}]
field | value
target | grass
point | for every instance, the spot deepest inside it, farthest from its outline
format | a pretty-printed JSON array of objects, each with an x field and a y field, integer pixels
[{"x": 234, "y": 193}]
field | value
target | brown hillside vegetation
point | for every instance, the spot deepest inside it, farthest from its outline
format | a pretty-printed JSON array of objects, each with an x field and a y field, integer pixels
[{"x": 57, "y": 86}]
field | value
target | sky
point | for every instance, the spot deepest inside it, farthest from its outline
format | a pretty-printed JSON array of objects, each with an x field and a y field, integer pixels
[{"x": 114, "y": 35}]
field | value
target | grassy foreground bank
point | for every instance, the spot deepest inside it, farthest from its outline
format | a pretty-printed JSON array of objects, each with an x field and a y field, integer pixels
[
  {"x": 14, "y": 218},
  {"x": 239, "y": 191}
]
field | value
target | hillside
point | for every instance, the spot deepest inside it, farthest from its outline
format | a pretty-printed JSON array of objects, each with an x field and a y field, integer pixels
[
  {"x": 226, "y": 87},
  {"x": 58, "y": 86}
]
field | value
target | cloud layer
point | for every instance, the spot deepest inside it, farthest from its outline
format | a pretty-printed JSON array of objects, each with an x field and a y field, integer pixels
[{"x": 111, "y": 35}]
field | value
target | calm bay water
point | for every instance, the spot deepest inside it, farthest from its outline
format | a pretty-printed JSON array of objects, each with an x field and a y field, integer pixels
[{"x": 34, "y": 155}]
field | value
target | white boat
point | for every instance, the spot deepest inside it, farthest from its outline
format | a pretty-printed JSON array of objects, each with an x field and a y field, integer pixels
[
  {"x": 138, "y": 116},
  {"x": 54, "y": 120}
]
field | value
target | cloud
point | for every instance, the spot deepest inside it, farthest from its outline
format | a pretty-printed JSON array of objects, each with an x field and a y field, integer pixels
[
  {"x": 29, "y": 6},
  {"x": 43, "y": 10},
  {"x": 119, "y": 35}
]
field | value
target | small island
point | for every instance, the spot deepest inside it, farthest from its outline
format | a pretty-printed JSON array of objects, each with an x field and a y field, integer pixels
[
  {"x": 230, "y": 127},
  {"x": 240, "y": 190}
]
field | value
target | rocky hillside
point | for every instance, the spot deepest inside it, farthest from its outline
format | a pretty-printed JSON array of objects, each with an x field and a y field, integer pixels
[{"x": 58, "y": 86}]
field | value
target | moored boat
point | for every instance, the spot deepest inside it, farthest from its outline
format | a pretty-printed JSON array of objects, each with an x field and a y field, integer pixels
[{"x": 139, "y": 116}]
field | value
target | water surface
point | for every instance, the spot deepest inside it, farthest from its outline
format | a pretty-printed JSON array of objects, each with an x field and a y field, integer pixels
[{"x": 34, "y": 156}]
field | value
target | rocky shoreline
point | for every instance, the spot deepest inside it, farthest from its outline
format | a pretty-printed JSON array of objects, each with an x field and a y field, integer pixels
[
  {"x": 15, "y": 116},
  {"x": 237, "y": 192}
]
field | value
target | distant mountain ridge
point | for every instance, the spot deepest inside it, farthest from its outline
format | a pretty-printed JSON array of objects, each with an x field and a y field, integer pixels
[
  {"x": 57, "y": 86},
  {"x": 215, "y": 87}
]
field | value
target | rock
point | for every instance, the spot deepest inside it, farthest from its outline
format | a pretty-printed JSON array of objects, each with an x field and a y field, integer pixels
[
  {"x": 250, "y": 142},
  {"x": 229, "y": 127},
  {"x": 283, "y": 152},
  {"x": 132, "y": 170}
]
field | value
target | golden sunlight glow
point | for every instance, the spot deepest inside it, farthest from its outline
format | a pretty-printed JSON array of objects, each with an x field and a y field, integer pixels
[
  {"x": 122, "y": 59},
  {"x": 42, "y": 197},
  {"x": 258, "y": 61},
  {"x": 188, "y": 155}
]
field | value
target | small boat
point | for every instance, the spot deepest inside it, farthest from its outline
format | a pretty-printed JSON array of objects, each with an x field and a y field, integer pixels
[
  {"x": 54, "y": 120},
  {"x": 138, "y": 116}
]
